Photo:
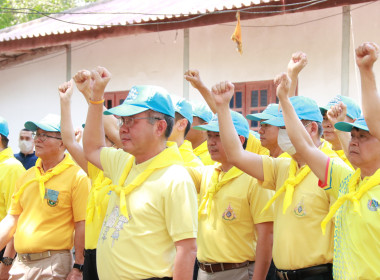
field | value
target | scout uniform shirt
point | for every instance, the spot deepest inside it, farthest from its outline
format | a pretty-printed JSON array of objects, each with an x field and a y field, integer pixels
[
  {"x": 227, "y": 234},
  {"x": 356, "y": 236},
  {"x": 48, "y": 224},
  {"x": 10, "y": 171},
  {"x": 161, "y": 211}
]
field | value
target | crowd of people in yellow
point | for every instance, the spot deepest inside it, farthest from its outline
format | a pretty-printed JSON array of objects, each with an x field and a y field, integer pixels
[{"x": 165, "y": 188}]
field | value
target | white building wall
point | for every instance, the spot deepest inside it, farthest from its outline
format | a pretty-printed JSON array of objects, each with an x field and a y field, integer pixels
[{"x": 29, "y": 91}]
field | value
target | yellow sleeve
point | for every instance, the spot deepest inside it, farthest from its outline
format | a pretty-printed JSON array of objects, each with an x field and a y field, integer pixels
[
  {"x": 254, "y": 146},
  {"x": 258, "y": 199},
  {"x": 113, "y": 162},
  {"x": 196, "y": 175},
  {"x": 337, "y": 173},
  {"x": 12, "y": 177},
  {"x": 270, "y": 173},
  {"x": 181, "y": 208},
  {"x": 79, "y": 196}
]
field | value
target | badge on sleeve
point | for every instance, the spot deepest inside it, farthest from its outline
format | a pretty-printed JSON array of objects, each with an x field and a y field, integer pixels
[{"x": 51, "y": 197}]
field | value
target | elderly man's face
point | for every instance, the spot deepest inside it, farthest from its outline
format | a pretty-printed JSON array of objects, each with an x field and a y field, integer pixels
[{"x": 47, "y": 143}]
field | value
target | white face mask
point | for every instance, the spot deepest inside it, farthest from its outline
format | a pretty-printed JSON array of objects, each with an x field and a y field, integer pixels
[
  {"x": 284, "y": 142},
  {"x": 25, "y": 146}
]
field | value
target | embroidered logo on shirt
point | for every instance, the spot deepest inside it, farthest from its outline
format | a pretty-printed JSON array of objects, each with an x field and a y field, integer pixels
[
  {"x": 300, "y": 210},
  {"x": 51, "y": 197},
  {"x": 372, "y": 204},
  {"x": 115, "y": 221},
  {"x": 229, "y": 214}
]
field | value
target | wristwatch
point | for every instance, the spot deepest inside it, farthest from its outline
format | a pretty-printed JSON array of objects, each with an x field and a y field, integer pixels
[
  {"x": 7, "y": 261},
  {"x": 78, "y": 266}
]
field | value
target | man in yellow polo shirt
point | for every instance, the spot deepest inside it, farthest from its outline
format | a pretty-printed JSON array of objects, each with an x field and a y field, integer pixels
[
  {"x": 356, "y": 238},
  {"x": 10, "y": 171},
  {"x": 299, "y": 249},
  {"x": 182, "y": 125},
  {"x": 150, "y": 226},
  {"x": 234, "y": 238},
  {"x": 47, "y": 207}
]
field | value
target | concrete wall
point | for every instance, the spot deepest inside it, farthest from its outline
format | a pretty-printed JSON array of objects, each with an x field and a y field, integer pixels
[{"x": 29, "y": 91}]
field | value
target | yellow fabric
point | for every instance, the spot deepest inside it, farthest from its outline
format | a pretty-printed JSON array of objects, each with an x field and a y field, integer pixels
[
  {"x": 96, "y": 205},
  {"x": 354, "y": 195},
  {"x": 188, "y": 156},
  {"x": 41, "y": 177},
  {"x": 164, "y": 159},
  {"x": 218, "y": 180},
  {"x": 229, "y": 234},
  {"x": 10, "y": 171},
  {"x": 297, "y": 239},
  {"x": 342, "y": 155},
  {"x": 357, "y": 227},
  {"x": 161, "y": 211},
  {"x": 202, "y": 152},
  {"x": 254, "y": 146},
  {"x": 49, "y": 224},
  {"x": 236, "y": 36},
  {"x": 293, "y": 179}
]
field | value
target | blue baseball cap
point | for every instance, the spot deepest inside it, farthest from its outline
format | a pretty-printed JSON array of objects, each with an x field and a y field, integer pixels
[
  {"x": 305, "y": 107},
  {"x": 201, "y": 110},
  {"x": 143, "y": 98},
  {"x": 347, "y": 127},
  {"x": 183, "y": 107},
  {"x": 240, "y": 124},
  {"x": 271, "y": 111},
  {"x": 51, "y": 123},
  {"x": 353, "y": 109},
  {"x": 4, "y": 130}
]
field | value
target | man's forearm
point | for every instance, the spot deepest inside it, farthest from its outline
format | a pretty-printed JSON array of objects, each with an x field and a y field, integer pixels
[
  {"x": 7, "y": 229},
  {"x": 79, "y": 242},
  {"x": 263, "y": 253},
  {"x": 184, "y": 260}
]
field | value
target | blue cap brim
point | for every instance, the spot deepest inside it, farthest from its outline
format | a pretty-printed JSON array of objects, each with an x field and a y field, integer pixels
[
  {"x": 259, "y": 117},
  {"x": 33, "y": 126},
  {"x": 347, "y": 127},
  {"x": 207, "y": 127},
  {"x": 279, "y": 121},
  {"x": 125, "y": 110}
]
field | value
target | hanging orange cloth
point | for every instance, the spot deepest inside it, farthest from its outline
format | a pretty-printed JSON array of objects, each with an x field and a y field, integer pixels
[{"x": 236, "y": 36}]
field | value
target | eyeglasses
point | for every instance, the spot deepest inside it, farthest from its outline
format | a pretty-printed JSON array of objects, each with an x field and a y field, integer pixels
[
  {"x": 129, "y": 121},
  {"x": 44, "y": 136}
]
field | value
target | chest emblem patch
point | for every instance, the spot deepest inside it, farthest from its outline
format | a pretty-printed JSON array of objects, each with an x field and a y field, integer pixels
[
  {"x": 372, "y": 204},
  {"x": 229, "y": 214},
  {"x": 51, "y": 197},
  {"x": 300, "y": 210}
]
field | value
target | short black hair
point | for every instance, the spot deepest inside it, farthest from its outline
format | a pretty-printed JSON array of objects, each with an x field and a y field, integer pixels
[
  {"x": 178, "y": 117},
  {"x": 4, "y": 141},
  {"x": 245, "y": 143}
]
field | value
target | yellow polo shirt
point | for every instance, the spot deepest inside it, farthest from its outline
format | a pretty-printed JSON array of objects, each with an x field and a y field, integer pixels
[
  {"x": 356, "y": 236},
  {"x": 46, "y": 226},
  {"x": 229, "y": 234},
  {"x": 188, "y": 156},
  {"x": 10, "y": 171},
  {"x": 161, "y": 211},
  {"x": 298, "y": 241},
  {"x": 92, "y": 230},
  {"x": 202, "y": 152},
  {"x": 254, "y": 146}
]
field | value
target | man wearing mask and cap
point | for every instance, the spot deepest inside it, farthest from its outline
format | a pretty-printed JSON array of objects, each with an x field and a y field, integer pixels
[
  {"x": 182, "y": 125},
  {"x": 234, "y": 238},
  {"x": 150, "y": 227},
  {"x": 337, "y": 139},
  {"x": 26, "y": 156},
  {"x": 10, "y": 171},
  {"x": 47, "y": 208},
  {"x": 299, "y": 207}
]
